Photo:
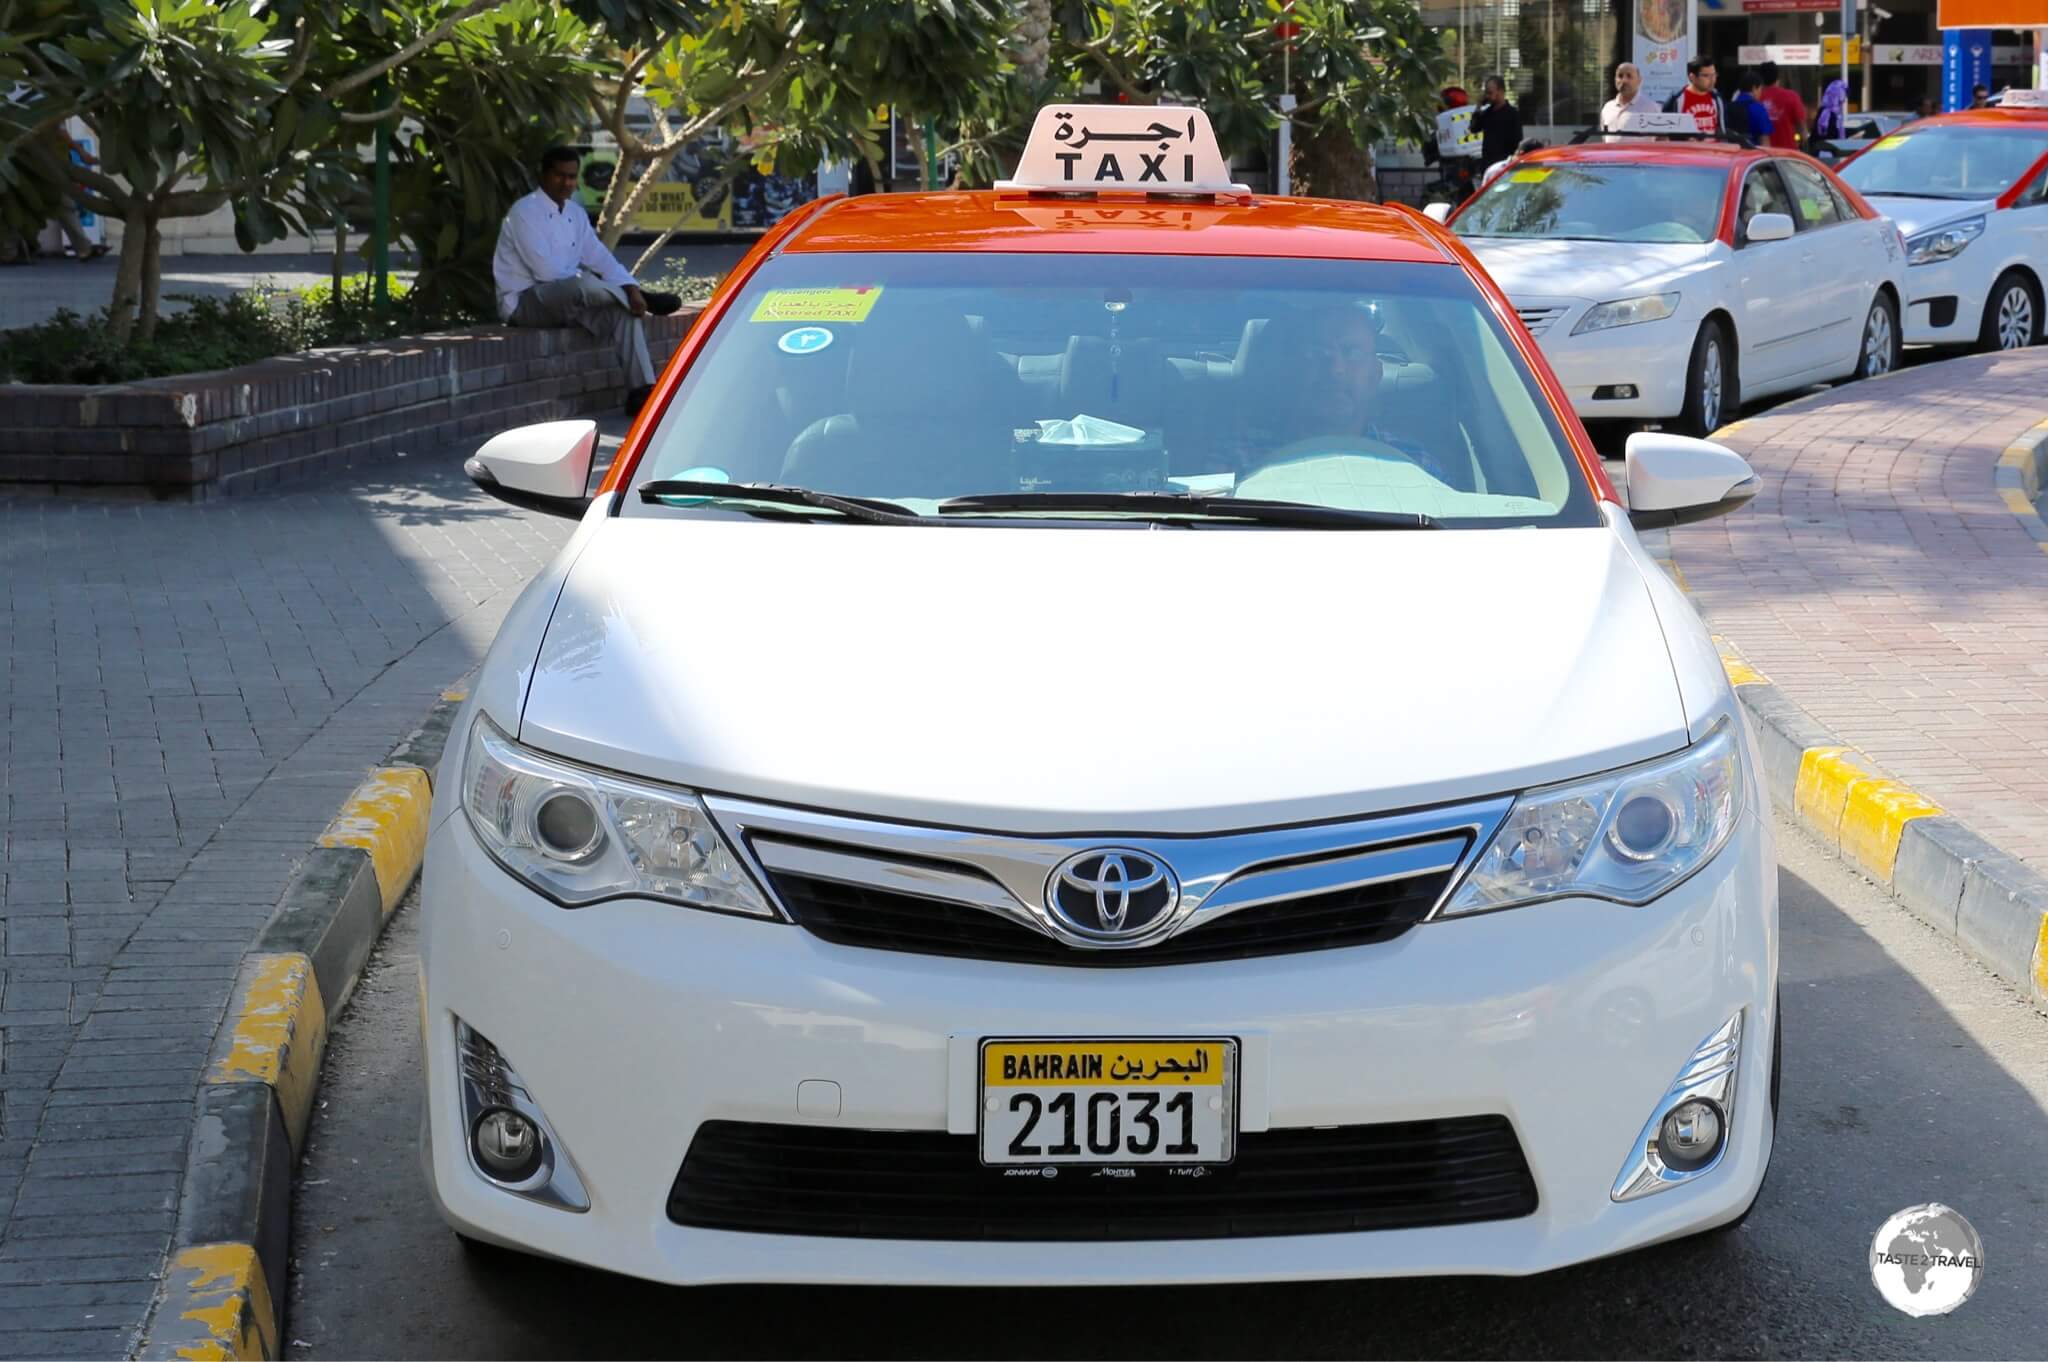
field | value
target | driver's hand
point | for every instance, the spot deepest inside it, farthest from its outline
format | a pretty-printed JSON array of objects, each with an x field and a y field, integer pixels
[{"x": 636, "y": 301}]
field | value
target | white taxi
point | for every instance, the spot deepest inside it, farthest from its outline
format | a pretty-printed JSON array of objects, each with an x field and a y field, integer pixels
[
  {"x": 1669, "y": 281},
  {"x": 1109, "y": 730},
  {"x": 1970, "y": 192}
]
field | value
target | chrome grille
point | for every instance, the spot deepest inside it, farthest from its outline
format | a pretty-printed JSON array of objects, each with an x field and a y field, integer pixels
[
  {"x": 1540, "y": 319},
  {"x": 945, "y": 891}
]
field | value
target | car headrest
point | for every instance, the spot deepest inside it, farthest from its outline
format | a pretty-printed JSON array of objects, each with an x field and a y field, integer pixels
[{"x": 923, "y": 360}]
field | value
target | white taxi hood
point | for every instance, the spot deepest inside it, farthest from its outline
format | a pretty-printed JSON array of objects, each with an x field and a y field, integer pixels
[
  {"x": 1054, "y": 680},
  {"x": 1913, "y": 216},
  {"x": 1599, "y": 271}
]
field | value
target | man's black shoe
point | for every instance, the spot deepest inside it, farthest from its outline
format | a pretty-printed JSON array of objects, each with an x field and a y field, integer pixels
[
  {"x": 636, "y": 398},
  {"x": 661, "y": 304}
]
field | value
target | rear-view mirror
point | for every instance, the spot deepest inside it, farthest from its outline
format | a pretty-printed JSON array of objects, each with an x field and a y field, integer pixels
[
  {"x": 1769, "y": 227},
  {"x": 1438, "y": 212},
  {"x": 544, "y": 467},
  {"x": 1676, "y": 480}
]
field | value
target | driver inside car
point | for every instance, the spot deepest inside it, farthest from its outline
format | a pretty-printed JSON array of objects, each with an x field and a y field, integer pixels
[{"x": 1322, "y": 394}]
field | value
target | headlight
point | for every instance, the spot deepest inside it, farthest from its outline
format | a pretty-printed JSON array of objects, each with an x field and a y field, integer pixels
[
  {"x": 578, "y": 835},
  {"x": 1627, "y": 836},
  {"x": 1651, "y": 307},
  {"x": 1943, "y": 243}
]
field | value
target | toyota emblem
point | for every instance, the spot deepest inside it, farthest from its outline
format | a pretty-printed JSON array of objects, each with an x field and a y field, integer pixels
[{"x": 1112, "y": 893}]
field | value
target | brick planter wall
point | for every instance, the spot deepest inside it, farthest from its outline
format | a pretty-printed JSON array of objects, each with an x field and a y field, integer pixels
[{"x": 294, "y": 416}]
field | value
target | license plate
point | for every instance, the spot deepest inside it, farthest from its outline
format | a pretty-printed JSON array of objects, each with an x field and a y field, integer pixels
[{"x": 1108, "y": 1101}]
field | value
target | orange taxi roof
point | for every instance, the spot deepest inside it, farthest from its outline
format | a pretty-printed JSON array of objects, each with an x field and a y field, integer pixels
[
  {"x": 1700, "y": 153},
  {"x": 991, "y": 220},
  {"x": 1976, "y": 118}
]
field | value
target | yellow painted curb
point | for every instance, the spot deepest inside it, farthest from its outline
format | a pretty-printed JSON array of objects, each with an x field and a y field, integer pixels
[
  {"x": 2041, "y": 963},
  {"x": 2016, "y": 501},
  {"x": 387, "y": 817},
  {"x": 1740, "y": 673},
  {"x": 1822, "y": 787},
  {"x": 278, "y": 1033},
  {"x": 217, "y": 1305},
  {"x": 1873, "y": 819}
]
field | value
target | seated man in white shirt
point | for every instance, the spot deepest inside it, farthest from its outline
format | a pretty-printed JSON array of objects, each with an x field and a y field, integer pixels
[{"x": 551, "y": 270}]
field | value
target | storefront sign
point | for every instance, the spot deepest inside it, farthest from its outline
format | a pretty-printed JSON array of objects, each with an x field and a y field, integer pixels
[
  {"x": 1663, "y": 45},
  {"x": 1784, "y": 54}
]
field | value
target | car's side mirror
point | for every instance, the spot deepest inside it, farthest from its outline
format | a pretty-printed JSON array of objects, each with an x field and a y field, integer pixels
[
  {"x": 1768, "y": 227},
  {"x": 543, "y": 467},
  {"x": 1675, "y": 480},
  {"x": 1438, "y": 212}
]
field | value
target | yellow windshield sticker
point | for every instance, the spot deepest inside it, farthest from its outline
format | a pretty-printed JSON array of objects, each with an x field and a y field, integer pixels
[
  {"x": 1889, "y": 144},
  {"x": 1533, "y": 175},
  {"x": 817, "y": 304}
]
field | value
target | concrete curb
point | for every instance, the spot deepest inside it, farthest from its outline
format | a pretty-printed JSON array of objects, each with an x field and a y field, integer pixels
[
  {"x": 222, "y": 1295},
  {"x": 1991, "y": 904}
]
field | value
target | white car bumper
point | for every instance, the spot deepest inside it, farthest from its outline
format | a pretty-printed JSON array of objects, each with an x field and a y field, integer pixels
[
  {"x": 631, "y": 1023},
  {"x": 1945, "y": 302},
  {"x": 1650, "y": 357}
]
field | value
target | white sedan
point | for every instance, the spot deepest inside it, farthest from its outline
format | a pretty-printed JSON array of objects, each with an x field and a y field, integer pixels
[
  {"x": 1670, "y": 282},
  {"x": 1970, "y": 192},
  {"x": 1092, "y": 741}
]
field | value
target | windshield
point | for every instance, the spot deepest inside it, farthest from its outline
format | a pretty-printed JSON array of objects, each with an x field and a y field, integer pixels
[
  {"x": 1947, "y": 162},
  {"x": 914, "y": 378},
  {"x": 1603, "y": 201}
]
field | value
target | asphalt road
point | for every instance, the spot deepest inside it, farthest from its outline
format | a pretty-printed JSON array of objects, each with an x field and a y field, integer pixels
[{"x": 1911, "y": 1075}]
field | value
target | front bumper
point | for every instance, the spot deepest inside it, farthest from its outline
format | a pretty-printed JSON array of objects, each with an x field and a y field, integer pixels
[
  {"x": 1950, "y": 290},
  {"x": 1652, "y": 357},
  {"x": 631, "y": 1023}
]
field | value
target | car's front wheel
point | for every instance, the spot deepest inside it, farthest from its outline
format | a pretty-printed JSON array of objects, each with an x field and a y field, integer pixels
[
  {"x": 2012, "y": 314},
  {"x": 1710, "y": 389},
  {"x": 1880, "y": 352}
]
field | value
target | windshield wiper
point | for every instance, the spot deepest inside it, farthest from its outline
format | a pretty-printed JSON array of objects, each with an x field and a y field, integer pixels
[
  {"x": 1916, "y": 194},
  {"x": 780, "y": 494},
  {"x": 1301, "y": 514}
]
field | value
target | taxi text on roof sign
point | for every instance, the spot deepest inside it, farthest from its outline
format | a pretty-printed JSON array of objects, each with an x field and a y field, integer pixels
[{"x": 1077, "y": 148}]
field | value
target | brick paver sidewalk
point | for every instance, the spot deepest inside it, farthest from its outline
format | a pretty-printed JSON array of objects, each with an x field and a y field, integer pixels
[
  {"x": 1883, "y": 584},
  {"x": 187, "y": 694}
]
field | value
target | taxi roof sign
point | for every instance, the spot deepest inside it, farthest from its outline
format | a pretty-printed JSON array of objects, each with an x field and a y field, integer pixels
[
  {"x": 2023, "y": 99},
  {"x": 1158, "y": 149},
  {"x": 1657, "y": 121}
]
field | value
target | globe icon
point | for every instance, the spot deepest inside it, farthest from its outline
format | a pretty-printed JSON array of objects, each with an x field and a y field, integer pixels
[{"x": 1926, "y": 1260}]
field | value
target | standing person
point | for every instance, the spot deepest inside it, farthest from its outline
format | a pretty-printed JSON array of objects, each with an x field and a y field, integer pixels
[
  {"x": 544, "y": 248},
  {"x": 1498, "y": 123},
  {"x": 1747, "y": 114},
  {"x": 1788, "y": 110},
  {"x": 1628, "y": 97},
  {"x": 1831, "y": 121},
  {"x": 1698, "y": 99},
  {"x": 1928, "y": 109},
  {"x": 61, "y": 145}
]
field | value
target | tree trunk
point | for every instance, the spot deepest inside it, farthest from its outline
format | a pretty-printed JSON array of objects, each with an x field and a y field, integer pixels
[
  {"x": 128, "y": 274},
  {"x": 611, "y": 221},
  {"x": 1329, "y": 164},
  {"x": 612, "y": 231},
  {"x": 924, "y": 158},
  {"x": 152, "y": 280}
]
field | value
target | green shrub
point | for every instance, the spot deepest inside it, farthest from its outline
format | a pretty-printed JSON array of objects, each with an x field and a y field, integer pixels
[{"x": 694, "y": 288}]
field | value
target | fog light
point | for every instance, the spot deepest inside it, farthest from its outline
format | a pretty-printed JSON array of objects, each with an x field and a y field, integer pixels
[
  {"x": 1615, "y": 392},
  {"x": 507, "y": 1144},
  {"x": 1690, "y": 1135}
]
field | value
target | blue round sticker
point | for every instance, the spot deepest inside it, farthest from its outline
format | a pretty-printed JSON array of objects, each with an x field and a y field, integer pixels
[{"x": 804, "y": 340}]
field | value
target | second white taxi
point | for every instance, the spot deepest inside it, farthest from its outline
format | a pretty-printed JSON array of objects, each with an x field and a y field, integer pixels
[{"x": 1670, "y": 281}]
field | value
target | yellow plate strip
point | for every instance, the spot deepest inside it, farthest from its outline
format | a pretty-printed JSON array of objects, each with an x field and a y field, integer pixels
[
  {"x": 1874, "y": 818},
  {"x": 279, "y": 1032},
  {"x": 387, "y": 817},
  {"x": 216, "y": 1305},
  {"x": 1103, "y": 1064}
]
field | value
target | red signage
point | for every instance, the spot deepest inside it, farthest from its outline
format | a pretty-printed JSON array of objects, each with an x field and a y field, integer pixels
[{"x": 1991, "y": 14}]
